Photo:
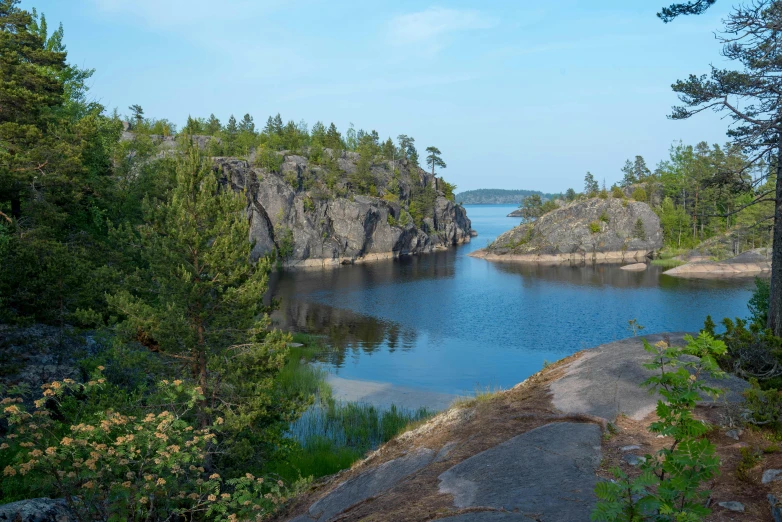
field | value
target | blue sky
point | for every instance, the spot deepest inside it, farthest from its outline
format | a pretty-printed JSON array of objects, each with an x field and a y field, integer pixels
[{"x": 515, "y": 94}]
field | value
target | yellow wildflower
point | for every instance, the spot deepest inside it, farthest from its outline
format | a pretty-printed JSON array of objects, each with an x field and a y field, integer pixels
[{"x": 211, "y": 498}]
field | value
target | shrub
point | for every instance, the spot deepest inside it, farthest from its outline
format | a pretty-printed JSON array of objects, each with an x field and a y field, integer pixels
[
  {"x": 292, "y": 179},
  {"x": 285, "y": 244},
  {"x": 639, "y": 231},
  {"x": 309, "y": 205},
  {"x": 639, "y": 194},
  {"x": 595, "y": 227},
  {"x": 758, "y": 303},
  {"x": 603, "y": 194},
  {"x": 765, "y": 407},
  {"x": 270, "y": 160},
  {"x": 670, "y": 484},
  {"x": 617, "y": 192},
  {"x": 117, "y": 466},
  {"x": 604, "y": 217}
]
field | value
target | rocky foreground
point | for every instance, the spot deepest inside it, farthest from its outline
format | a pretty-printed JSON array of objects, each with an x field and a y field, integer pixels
[
  {"x": 534, "y": 452},
  {"x": 592, "y": 230}
]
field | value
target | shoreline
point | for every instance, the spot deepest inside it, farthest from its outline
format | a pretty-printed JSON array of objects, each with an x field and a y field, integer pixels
[
  {"x": 559, "y": 259},
  {"x": 383, "y": 395}
]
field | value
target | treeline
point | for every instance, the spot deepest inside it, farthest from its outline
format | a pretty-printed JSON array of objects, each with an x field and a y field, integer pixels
[
  {"x": 700, "y": 192},
  {"x": 497, "y": 196}
]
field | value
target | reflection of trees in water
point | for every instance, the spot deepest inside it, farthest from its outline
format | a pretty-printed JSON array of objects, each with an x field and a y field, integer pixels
[
  {"x": 610, "y": 275},
  {"x": 346, "y": 331}
]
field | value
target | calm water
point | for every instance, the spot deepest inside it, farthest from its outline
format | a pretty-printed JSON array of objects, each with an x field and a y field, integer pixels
[{"x": 450, "y": 323}]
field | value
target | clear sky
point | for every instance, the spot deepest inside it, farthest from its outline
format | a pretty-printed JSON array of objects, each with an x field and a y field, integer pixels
[{"x": 516, "y": 94}]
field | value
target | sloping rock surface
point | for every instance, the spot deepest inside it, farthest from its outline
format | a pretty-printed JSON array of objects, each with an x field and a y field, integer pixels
[
  {"x": 548, "y": 472},
  {"x": 529, "y": 453},
  {"x": 605, "y": 381},
  {"x": 583, "y": 228}
]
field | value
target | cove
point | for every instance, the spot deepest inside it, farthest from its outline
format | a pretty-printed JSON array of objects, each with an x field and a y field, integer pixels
[{"x": 448, "y": 323}]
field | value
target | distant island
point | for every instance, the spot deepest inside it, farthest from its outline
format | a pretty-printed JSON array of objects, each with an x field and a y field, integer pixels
[{"x": 497, "y": 196}]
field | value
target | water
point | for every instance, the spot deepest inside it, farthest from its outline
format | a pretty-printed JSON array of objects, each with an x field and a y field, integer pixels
[{"x": 449, "y": 323}]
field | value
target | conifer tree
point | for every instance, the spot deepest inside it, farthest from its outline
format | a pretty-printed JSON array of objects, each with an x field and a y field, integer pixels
[
  {"x": 213, "y": 125},
  {"x": 231, "y": 131},
  {"x": 333, "y": 138},
  {"x": 591, "y": 187},
  {"x": 198, "y": 299},
  {"x": 433, "y": 159},
  {"x": 247, "y": 124}
]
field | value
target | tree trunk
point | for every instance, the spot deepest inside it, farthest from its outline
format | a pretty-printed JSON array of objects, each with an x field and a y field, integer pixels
[
  {"x": 775, "y": 297},
  {"x": 16, "y": 207}
]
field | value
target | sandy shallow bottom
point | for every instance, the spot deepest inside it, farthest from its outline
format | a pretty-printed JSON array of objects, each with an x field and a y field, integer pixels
[{"x": 383, "y": 394}]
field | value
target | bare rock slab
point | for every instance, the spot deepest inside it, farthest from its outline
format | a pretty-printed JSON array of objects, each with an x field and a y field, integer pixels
[
  {"x": 635, "y": 267},
  {"x": 369, "y": 484},
  {"x": 548, "y": 471},
  {"x": 487, "y": 516},
  {"x": 606, "y": 380},
  {"x": 37, "y": 510}
]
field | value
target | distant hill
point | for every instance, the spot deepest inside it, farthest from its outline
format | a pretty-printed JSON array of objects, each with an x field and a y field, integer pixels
[{"x": 497, "y": 196}]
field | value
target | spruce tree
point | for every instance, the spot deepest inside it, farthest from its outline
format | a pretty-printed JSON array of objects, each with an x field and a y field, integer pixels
[
  {"x": 591, "y": 187},
  {"x": 213, "y": 125},
  {"x": 231, "y": 131}
]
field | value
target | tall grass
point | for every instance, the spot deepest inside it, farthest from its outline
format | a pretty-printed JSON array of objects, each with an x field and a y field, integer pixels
[
  {"x": 668, "y": 263},
  {"x": 331, "y": 435}
]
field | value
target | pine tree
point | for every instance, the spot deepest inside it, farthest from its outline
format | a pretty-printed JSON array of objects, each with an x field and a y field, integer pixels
[
  {"x": 433, "y": 159},
  {"x": 591, "y": 188},
  {"x": 231, "y": 132},
  {"x": 333, "y": 138},
  {"x": 137, "y": 113},
  {"x": 28, "y": 94},
  {"x": 628, "y": 172},
  {"x": 213, "y": 125},
  {"x": 199, "y": 299},
  {"x": 750, "y": 98},
  {"x": 247, "y": 124}
]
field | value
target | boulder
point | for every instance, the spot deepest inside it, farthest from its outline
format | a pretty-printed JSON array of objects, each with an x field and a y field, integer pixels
[
  {"x": 635, "y": 267},
  {"x": 37, "y": 510},
  {"x": 611, "y": 230}
]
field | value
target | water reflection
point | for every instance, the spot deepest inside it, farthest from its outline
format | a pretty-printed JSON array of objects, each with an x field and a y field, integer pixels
[{"x": 448, "y": 322}]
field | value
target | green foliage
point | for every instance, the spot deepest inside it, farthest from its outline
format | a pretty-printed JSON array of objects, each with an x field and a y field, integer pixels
[
  {"x": 591, "y": 187},
  {"x": 764, "y": 406},
  {"x": 639, "y": 231},
  {"x": 595, "y": 227},
  {"x": 639, "y": 194},
  {"x": 433, "y": 159},
  {"x": 285, "y": 244},
  {"x": 617, "y": 192},
  {"x": 448, "y": 189},
  {"x": 198, "y": 299},
  {"x": 758, "y": 303},
  {"x": 118, "y": 466},
  {"x": 670, "y": 486},
  {"x": 604, "y": 217}
]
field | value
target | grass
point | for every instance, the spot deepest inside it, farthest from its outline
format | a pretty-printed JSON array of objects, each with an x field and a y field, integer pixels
[
  {"x": 668, "y": 263},
  {"x": 482, "y": 396},
  {"x": 331, "y": 435}
]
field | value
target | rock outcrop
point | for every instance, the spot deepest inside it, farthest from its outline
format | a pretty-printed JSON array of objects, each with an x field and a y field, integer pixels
[
  {"x": 333, "y": 212},
  {"x": 293, "y": 213},
  {"x": 748, "y": 264},
  {"x": 591, "y": 230},
  {"x": 37, "y": 510}
]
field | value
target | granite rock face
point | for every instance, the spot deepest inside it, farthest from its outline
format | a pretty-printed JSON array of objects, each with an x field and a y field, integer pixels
[
  {"x": 37, "y": 510},
  {"x": 584, "y": 228},
  {"x": 311, "y": 227}
]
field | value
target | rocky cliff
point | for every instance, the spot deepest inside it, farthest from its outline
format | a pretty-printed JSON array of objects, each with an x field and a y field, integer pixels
[
  {"x": 615, "y": 230},
  {"x": 312, "y": 215},
  {"x": 334, "y": 208}
]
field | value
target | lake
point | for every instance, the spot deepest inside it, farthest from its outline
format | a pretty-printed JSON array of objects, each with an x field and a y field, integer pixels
[{"x": 449, "y": 323}]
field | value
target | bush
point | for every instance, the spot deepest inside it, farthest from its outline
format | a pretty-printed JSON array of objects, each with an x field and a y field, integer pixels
[
  {"x": 270, "y": 160},
  {"x": 639, "y": 194},
  {"x": 758, "y": 303},
  {"x": 639, "y": 231},
  {"x": 764, "y": 406},
  {"x": 145, "y": 464},
  {"x": 603, "y": 194},
  {"x": 595, "y": 227},
  {"x": 604, "y": 217},
  {"x": 617, "y": 192}
]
